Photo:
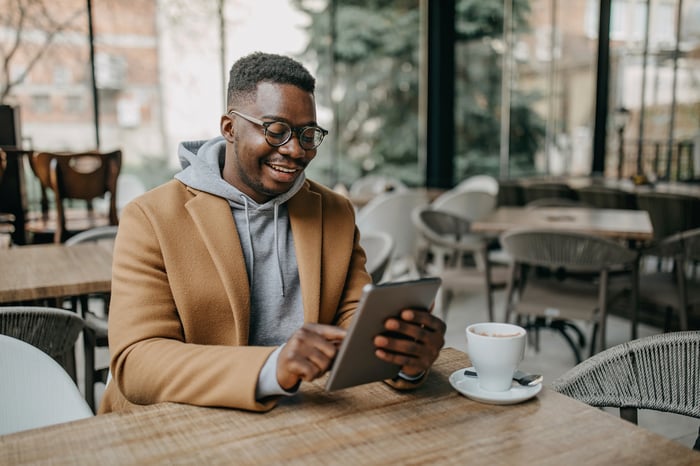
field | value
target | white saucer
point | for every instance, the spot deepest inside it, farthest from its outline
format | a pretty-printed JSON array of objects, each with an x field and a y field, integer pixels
[{"x": 469, "y": 387}]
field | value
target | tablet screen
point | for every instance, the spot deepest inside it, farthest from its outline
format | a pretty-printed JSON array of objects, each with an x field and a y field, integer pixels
[{"x": 356, "y": 362}]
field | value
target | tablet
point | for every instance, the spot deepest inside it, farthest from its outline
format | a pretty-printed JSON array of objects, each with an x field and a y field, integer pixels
[{"x": 356, "y": 362}]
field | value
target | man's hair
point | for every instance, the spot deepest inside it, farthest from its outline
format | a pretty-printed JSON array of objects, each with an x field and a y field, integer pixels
[{"x": 258, "y": 67}]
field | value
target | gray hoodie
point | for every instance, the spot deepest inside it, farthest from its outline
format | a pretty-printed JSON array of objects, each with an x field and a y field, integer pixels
[{"x": 266, "y": 239}]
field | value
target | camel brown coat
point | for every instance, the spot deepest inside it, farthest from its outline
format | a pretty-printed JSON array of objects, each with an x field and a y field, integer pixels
[{"x": 179, "y": 313}]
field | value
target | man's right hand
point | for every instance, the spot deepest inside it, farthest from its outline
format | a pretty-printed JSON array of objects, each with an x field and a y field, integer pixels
[{"x": 308, "y": 354}]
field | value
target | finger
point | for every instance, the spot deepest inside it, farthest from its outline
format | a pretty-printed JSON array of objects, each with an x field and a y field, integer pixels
[
  {"x": 329, "y": 332},
  {"x": 301, "y": 360},
  {"x": 321, "y": 337},
  {"x": 303, "y": 369},
  {"x": 400, "y": 329},
  {"x": 420, "y": 352},
  {"x": 418, "y": 363},
  {"x": 424, "y": 319},
  {"x": 402, "y": 346}
]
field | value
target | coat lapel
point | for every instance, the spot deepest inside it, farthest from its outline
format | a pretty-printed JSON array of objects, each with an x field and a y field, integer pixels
[
  {"x": 212, "y": 217},
  {"x": 306, "y": 221}
]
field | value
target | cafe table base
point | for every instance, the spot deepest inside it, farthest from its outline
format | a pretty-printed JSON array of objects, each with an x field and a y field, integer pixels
[{"x": 369, "y": 424}]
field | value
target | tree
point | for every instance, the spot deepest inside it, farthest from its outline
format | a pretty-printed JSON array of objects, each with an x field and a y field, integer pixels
[
  {"x": 30, "y": 29},
  {"x": 479, "y": 28},
  {"x": 372, "y": 78},
  {"x": 372, "y": 61}
]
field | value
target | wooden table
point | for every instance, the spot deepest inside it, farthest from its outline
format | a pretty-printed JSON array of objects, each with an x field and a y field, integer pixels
[
  {"x": 54, "y": 270},
  {"x": 369, "y": 424},
  {"x": 616, "y": 224}
]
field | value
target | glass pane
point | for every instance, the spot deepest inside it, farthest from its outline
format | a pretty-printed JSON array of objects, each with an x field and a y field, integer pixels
[
  {"x": 368, "y": 54},
  {"x": 552, "y": 92},
  {"x": 655, "y": 78}
]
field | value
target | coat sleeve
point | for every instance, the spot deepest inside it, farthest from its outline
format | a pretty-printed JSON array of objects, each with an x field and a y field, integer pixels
[{"x": 151, "y": 358}]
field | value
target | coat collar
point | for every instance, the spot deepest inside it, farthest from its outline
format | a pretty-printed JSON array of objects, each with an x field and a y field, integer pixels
[
  {"x": 306, "y": 221},
  {"x": 214, "y": 221},
  {"x": 213, "y": 218}
]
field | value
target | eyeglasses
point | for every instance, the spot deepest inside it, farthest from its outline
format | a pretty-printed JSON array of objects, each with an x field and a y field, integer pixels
[{"x": 278, "y": 133}]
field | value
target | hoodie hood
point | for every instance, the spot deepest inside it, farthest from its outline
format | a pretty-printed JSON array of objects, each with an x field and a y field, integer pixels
[{"x": 202, "y": 162}]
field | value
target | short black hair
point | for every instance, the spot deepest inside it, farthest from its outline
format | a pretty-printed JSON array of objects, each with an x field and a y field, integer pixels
[{"x": 258, "y": 67}]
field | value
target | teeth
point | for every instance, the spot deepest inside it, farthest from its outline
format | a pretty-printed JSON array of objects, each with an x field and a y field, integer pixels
[{"x": 283, "y": 169}]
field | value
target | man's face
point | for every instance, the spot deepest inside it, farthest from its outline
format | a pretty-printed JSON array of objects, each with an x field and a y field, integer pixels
[{"x": 252, "y": 165}]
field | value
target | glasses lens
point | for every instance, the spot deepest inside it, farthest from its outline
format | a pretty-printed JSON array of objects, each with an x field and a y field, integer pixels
[
  {"x": 310, "y": 137},
  {"x": 277, "y": 133}
]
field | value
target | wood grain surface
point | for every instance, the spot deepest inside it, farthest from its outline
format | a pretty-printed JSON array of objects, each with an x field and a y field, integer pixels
[{"x": 369, "y": 424}]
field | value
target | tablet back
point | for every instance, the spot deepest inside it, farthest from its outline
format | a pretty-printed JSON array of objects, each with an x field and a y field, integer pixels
[{"x": 356, "y": 363}]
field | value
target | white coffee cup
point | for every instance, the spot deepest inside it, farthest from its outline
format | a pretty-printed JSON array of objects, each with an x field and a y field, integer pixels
[{"x": 495, "y": 350}]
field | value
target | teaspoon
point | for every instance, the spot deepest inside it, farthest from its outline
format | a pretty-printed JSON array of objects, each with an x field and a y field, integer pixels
[{"x": 522, "y": 378}]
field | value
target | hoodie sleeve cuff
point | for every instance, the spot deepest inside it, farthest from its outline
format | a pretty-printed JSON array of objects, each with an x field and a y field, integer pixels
[{"x": 267, "y": 380}]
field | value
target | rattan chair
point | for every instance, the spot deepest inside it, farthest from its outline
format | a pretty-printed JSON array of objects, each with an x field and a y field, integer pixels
[
  {"x": 607, "y": 197},
  {"x": 559, "y": 278},
  {"x": 660, "y": 372},
  {"x": 510, "y": 193},
  {"x": 95, "y": 334},
  {"x": 458, "y": 256},
  {"x": 544, "y": 202},
  {"x": 378, "y": 247},
  {"x": 538, "y": 190},
  {"x": 675, "y": 286},
  {"x": 670, "y": 213},
  {"x": 54, "y": 331},
  {"x": 35, "y": 391}
]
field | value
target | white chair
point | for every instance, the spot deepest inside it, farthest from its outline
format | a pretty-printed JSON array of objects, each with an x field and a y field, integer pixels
[
  {"x": 450, "y": 243},
  {"x": 378, "y": 247},
  {"x": 35, "y": 390},
  {"x": 391, "y": 213},
  {"x": 470, "y": 205},
  {"x": 128, "y": 187},
  {"x": 95, "y": 333},
  {"x": 485, "y": 183},
  {"x": 373, "y": 185}
]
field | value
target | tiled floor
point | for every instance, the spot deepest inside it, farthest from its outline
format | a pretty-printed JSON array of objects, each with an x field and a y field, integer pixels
[{"x": 555, "y": 358}]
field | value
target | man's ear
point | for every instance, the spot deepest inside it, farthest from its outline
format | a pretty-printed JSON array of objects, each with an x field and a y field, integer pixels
[{"x": 226, "y": 127}]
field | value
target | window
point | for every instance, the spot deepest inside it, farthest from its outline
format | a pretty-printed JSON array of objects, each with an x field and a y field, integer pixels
[
  {"x": 41, "y": 103},
  {"x": 74, "y": 104}
]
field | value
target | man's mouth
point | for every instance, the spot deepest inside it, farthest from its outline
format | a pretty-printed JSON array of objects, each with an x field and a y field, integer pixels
[{"x": 283, "y": 168}]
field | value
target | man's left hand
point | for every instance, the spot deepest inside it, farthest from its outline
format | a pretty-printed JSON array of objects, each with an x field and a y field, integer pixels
[{"x": 413, "y": 341}]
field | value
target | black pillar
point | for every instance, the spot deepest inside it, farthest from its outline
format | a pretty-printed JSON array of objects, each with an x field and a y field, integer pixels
[
  {"x": 95, "y": 96},
  {"x": 601, "y": 92},
  {"x": 441, "y": 94}
]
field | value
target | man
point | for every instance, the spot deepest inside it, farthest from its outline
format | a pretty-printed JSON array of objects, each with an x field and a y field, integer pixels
[{"x": 235, "y": 282}]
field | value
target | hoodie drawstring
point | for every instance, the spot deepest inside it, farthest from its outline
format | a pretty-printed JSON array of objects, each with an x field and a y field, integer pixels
[
  {"x": 277, "y": 248},
  {"x": 250, "y": 241},
  {"x": 250, "y": 245}
]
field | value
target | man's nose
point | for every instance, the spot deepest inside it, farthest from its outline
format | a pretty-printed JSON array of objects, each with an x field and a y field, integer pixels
[{"x": 292, "y": 147}]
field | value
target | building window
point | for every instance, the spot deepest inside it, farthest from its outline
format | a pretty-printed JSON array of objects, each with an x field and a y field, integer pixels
[
  {"x": 61, "y": 75},
  {"x": 74, "y": 104},
  {"x": 41, "y": 103}
]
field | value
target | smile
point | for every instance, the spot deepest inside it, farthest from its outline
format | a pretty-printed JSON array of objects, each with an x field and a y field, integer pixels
[{"x": 282, "y": 169}]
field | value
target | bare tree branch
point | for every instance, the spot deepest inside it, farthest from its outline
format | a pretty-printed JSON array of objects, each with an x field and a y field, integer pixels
[{"x": 52, "y": 29}]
